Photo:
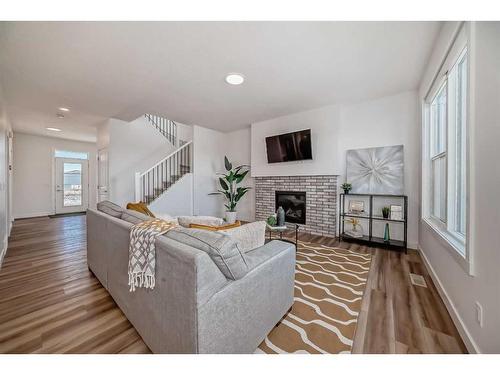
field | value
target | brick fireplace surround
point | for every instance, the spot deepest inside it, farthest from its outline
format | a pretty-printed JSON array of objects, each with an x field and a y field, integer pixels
[{"x": 321, "y": 200}]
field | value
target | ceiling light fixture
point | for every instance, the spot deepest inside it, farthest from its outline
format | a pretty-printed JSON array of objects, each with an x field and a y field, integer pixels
[
  {"x": 54, "y": 129},
  {"x": 60, "y": 115},
  {"x": 64, "y": 109},
  {"x": 235, "y": 78}
]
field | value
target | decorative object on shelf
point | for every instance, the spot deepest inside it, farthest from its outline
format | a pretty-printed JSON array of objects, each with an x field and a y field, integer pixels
[
  {"x": 356, "y": 207},
  {"x": 374, "y": 232},
  {"x": 280, "y": 214},
  {"x": 385, "y": 212},
  {"x": 396, "y": 212},
  {"x": 271, "y": 220},
  {"x": 387, "y": 236},
  {"x": 377, "y": 170},
  {"x": 228, "y": 187},
  {"x": 357, "y": 228},
  {"x": 346, "y": 187}
]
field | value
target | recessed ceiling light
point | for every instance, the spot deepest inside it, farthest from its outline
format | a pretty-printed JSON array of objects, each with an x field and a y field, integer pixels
[
  {"x": 54, "y": 129},
  {"x": 60, "y": 115},
  {"x": 64, "y": 109},
  {"x": 235, "y": 78}
]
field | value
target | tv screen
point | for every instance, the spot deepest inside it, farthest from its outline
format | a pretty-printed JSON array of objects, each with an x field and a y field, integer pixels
[{"x": 289, "y": 147}]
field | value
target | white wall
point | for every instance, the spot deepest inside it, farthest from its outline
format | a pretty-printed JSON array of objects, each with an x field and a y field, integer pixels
[
  {"x": 210, "y": 147},
  {"x": 208, "y": 159},
  {"x": 133, "y": 147},
  {"x": 177, "y": 200},
  {"x": 5, "y": 179},
  {"x": 33, "y": 173},
  {"x": 460, "y": 289},
  {"x": 388, "y": 121},
  {"x": 238, "y": 150},
  {"x": 324, "y": 125}
]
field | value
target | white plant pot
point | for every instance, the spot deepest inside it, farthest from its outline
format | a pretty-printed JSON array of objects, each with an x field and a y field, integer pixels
[{"x": 231, "y": 217}]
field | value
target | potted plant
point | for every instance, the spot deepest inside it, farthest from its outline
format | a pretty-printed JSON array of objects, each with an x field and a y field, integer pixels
[
  {"x": 229, "y": 187},
  {"x": 346, "y": 187},
  {"x": 385, "y": 212}
]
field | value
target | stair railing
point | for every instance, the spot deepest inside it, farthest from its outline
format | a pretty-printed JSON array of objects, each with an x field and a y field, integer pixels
[
  {"x": 166, "y": 127},
  {"x": 152, "y": 183}
]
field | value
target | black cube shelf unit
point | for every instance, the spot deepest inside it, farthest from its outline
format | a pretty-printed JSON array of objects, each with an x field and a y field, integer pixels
[{"x": 370, "y": 239}]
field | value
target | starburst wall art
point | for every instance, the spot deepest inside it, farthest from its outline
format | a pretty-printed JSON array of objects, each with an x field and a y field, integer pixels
[{"x": 377, "y": 170}]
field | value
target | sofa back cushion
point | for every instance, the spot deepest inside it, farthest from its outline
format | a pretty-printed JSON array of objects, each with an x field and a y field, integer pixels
[
  {"x": 249, "y": 236},
  {"x": 223, "y": 250},
  {"x": 134, "y": 217},
  {"x": 110, "y": 208}
]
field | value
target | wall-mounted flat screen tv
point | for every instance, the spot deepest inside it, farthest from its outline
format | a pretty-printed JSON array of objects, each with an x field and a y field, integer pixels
[{"x": 289, "y": 147}]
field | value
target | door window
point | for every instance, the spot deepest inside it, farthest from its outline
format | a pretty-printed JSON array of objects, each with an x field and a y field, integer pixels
[{"x": 72, "y": 184}]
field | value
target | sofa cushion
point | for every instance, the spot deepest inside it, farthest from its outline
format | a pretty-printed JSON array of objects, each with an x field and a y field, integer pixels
[
  {"x": 185, "y": 221},
  {"x": 249, "y": 236},
  {"x": 110, "y": 208},
  {"x": 221, "y": 248},
  {"x": 134, "y": 217}
]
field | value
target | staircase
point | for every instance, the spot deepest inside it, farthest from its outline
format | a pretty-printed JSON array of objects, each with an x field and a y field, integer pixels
[
  {"x": 166, "y": 127},
  {"x": 152, "y": 183}
]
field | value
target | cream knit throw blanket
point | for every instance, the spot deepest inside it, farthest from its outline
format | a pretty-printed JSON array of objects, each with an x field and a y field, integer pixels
[{"x": 142, "y": 254}]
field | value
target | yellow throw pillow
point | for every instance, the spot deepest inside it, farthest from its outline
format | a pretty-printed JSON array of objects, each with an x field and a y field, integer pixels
[
  {"x": 140, "y": 207},
  {"x": 214, "y": 228}
]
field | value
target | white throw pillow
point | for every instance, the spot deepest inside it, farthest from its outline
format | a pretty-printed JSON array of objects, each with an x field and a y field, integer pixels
[
  {"x": 249, "y": 236},
  {"x": 166, "y": 217},
  {"x": 184, "y": 221}
]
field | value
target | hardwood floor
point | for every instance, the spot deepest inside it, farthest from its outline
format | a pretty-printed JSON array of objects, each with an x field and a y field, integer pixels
[{"x": 51, "y": 303}]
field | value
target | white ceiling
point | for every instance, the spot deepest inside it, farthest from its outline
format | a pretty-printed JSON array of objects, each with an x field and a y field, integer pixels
[{"x": 177, "y": 69}]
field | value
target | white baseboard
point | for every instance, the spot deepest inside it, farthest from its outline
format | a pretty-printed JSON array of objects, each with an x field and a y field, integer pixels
[
  {"x": 32, "y": 214},
  {"x": 413, "y": 246},
  {"x": 3, "y": 250},
  {"x": 455, "y": 316}
]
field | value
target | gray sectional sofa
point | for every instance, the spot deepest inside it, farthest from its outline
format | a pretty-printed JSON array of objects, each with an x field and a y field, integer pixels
[{"x": 209, "y": 296}]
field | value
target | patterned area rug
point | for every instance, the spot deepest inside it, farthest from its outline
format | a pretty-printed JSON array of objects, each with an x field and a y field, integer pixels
[{"x": 329, "y": 286}]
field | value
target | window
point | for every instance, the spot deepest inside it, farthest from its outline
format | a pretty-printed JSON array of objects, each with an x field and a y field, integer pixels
[
  {"x": 71, "y": 154},
  {"x": 438, "y": 154},
  {"x": 445, "y": 150}
]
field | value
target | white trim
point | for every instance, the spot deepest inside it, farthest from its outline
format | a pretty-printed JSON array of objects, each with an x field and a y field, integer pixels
[
  {"x": 33, "y": 214},
  {"x": 3, "y": 250},
  {"x": 469, "y": 342},
  {"x": 447, "y": 241},
  {"x": 461, "y": 250}
]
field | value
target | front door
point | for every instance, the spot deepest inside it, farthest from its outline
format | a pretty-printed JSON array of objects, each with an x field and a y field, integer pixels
[{"x": 71, "y": 185}]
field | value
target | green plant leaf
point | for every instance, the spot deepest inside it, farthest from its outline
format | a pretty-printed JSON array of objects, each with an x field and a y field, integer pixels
[
  {"x": 230, "y": 177},
  {"x": 240, "y": 192},
  {"x": 223, "y": 184},
  {"x": 241, "y": 176},
  {"x": 227, "y": 164}
]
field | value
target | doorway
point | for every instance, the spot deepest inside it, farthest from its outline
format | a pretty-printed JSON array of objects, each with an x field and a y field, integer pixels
[{"x": 71, "y": 185}]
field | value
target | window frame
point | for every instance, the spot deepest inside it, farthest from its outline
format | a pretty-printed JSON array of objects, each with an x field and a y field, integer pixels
[
  {"x": 455, "y": 242},
  {"x": 440, "y": 155}
]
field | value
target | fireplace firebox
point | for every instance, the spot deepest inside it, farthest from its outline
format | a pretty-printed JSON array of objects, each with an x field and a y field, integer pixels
[{"x": 294, "y": 204}]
